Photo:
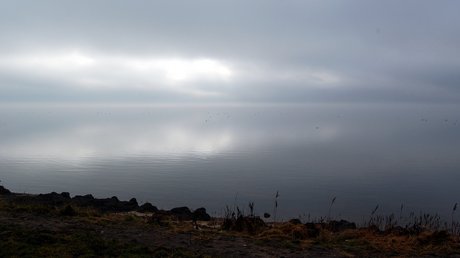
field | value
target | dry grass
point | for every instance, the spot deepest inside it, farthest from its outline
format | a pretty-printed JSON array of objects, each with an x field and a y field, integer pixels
[{"x": 413, "y": 235}]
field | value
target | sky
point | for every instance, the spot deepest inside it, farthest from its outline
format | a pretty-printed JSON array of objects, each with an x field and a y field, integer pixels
[{"x": 209, "y": 51}]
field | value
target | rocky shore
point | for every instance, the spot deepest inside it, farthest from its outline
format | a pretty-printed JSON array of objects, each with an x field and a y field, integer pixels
[
  {"x": 104, "y": 205},
  {"x": 58, "y": 225}
]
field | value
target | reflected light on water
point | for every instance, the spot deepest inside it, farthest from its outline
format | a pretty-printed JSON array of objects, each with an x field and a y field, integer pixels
[{"x": 114, "y": 141}]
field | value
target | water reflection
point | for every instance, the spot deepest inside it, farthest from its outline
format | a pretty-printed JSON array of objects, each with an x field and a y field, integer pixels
[
  {"x": 153, "y": 132},
  {"x": 86, "y": 141},
  {"x": 207, "y": 155}
]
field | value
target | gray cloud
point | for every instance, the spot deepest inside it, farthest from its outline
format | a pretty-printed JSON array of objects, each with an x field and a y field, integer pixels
[{"x": 289, "y": 51}]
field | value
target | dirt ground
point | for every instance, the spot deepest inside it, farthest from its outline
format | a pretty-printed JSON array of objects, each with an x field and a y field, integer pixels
[{"x": 204, "y": 241}]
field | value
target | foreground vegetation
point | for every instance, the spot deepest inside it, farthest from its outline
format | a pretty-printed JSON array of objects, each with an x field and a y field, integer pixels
[{"x": 55, "y": 225}]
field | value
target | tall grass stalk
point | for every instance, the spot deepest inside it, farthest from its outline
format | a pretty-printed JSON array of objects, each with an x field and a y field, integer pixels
[
  {"x": 275, "y": 208},
  {"x": 401, "y": 211},
  {"x": 252, "y": 213},
  {"x": 452, "y": 217},
  {"x": 330, "y": 208}
]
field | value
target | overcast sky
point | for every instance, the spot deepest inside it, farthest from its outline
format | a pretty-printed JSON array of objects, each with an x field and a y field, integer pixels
[{"x": 230, "y": 51}]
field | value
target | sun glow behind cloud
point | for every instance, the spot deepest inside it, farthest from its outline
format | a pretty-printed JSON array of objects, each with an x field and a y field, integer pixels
[
  {"x": 76, "y": 68},
  {"x": 200, "y": 77},
  {"x": 184, "y": 70}
]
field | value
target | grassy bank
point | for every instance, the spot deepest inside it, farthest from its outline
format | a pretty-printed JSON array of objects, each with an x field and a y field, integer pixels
[{"x": 56, "y": 225}]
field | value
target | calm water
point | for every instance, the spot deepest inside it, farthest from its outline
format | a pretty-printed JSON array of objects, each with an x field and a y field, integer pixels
[{"x": 216, "y": 155}]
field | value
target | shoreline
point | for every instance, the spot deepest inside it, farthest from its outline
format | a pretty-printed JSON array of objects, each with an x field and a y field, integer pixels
[{"x": 55, "y": 224}]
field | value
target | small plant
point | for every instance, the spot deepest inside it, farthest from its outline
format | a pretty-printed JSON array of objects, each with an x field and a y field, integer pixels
[
  {"x": 229, "y": 218},
  {"x": 390, "y": 222},
  {"x": 455, "y": 228},
  {"x": 238, "y": 221}
]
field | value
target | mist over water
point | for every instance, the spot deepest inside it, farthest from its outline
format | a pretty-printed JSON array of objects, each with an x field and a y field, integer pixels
[{"x": 218, "y": 155}]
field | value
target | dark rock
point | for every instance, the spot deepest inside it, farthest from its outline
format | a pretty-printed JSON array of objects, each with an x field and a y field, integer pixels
[
  {"x": 200, "y": 214},
  {"x": 133, "y": 202},
  {"x": 51, "y": 198},
  {"x": 147, "y": 207},
  {"x": 182, "y": 213},
  {"x": 266, "y": 215},
  {"x": 295, "y": 221},
  {"x": 65, "y": 195},
  {"x": 4, "y": 191},
  {"x": 85, "y": 200},
  {"x": 88, "y": 196},
  {"x": 106, "y": 204},
  {"x": 131, "y": 205},
  {"x": 337, "y": 226},
  {"x": 114, "y": 205},
  {"x": 180, "y": 210}
]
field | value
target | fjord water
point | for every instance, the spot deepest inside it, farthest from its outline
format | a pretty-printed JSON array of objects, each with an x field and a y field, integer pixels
[{"x": 218, "y": 155}]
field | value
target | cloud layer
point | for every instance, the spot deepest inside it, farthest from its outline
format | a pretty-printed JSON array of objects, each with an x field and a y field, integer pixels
[{"x": 220, "y": 51}]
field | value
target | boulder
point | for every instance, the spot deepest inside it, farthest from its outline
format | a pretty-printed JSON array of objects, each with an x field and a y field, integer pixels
[
  {"x": 182, "y": 213},
  {"x": 106, "y": 204},
  {"x": 4, "y": 191},
  {"x": 200, "y": 214},
  {"x": 114, "y": 205},
  {"x": 130, "y": 205},
  {"x": 52, "y": 198},
  {"x": 83, "y": 200},
  {"x": 133, "y": 202},
  {"x": 65, "y": 195},
  {"x": 147, "y": 207}
]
